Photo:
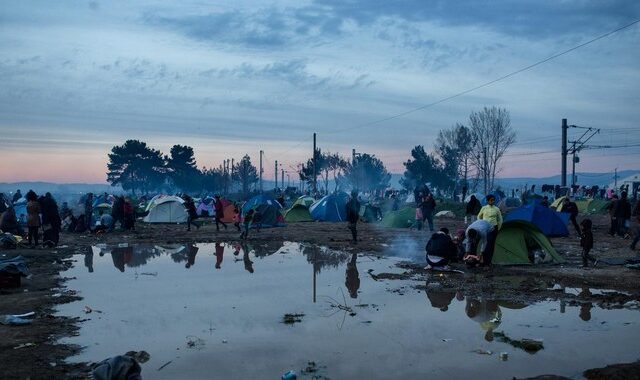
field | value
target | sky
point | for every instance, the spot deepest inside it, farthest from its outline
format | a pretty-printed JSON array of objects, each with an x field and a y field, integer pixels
[{"x": 232, "y": 78}]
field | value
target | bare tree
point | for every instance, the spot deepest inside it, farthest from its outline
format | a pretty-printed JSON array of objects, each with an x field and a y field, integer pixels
[
  {"x": 492, "y": 136},
  {"x": 455, "y": 147}
]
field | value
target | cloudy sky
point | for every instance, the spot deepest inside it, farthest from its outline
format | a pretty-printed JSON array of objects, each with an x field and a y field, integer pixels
[{"x": 230, "y": 78}]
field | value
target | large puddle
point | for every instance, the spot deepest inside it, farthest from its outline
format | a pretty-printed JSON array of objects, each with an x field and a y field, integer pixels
[{"x": 216, "y": 311}]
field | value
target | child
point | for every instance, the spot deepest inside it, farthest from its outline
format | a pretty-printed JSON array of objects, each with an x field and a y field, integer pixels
[
  {"x": 586, "y": 242},
  {"x": 247, "y": 223},
  {"x": 236, "y": 218},
  {"x": 418, "y": 222}
]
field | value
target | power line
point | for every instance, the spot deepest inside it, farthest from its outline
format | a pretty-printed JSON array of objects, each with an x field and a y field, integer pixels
[{"x": 489, "y": 82}]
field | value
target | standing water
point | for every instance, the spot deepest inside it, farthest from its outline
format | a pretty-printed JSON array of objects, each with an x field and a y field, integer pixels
[{"x": 243, "y": 312}]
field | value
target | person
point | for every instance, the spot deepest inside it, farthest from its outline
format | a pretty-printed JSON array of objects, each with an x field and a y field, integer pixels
[
  {"x": 88, "y": 260},
  {"x": 611, "y": 208},
  {"x": 473, "y": 208},
  {"x": 192, "y": 214},
  {"x": 33, "y": 217},
  {"x": 3, "y": 203},
  {"x": 88, "y": 211},
  {"x": 248, "y": 218},
  {"x": 487, "y": 313},
  {"x": 281, "y": 200},
  {"x": 458, "y": 240},
  {"x": 352, "y": 277},
  {"x": 636, "y": 238},
  {"x": 117, "y": 212},
  {"x": 396, "y": 203},
  {"x": 622, "y": 214},
  {"x": 490, "y": 213},
  {"x": 572, "y": 209},
  {"x": 219, "y": 254},
  {"x": 9, "y": 222},
  {"x": 236, "y": 218},
  {"x": 65, "y": 211},
  {"x": 545, "y": 201},
  {"x": 51, "y": 221},
  {"x": 105, "y": 221},
  {"x": 440, "y": 250},
  {"x": 353, "y": 210},
  {"x": 440, "y": 299},
  {"x": 219, "y": 210},
  {"x": 129, "y": 215},
  {"x": 418, "y": 222},
  {"x": 16, "y": 196},
  {"x": 428, "y": 206},
  {"x": 586, "y": 242}
]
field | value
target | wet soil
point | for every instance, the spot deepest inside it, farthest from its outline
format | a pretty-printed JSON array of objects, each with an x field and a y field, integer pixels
[{"x": 568, "y": 282}]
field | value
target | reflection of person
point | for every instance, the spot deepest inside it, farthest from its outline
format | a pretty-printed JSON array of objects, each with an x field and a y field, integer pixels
[
  {"x": 117, "y": 255},
  {"x": 192, "y": 251},
  {"x": 88, "y": 260},
  {"x": 219, "y": 255},
  {"x": 352, "y": 281},
  {"x": 440, "y": 299},
  {"x": 585, "y": 307},
  {"x": 486, "y": 313},
  {"x": 248, "y": 219},
  {"x": 248, "y": 264},
  {"x": 353, "y": 210}
]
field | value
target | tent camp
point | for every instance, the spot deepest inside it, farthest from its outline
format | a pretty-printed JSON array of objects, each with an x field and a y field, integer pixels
[
  {"x": 551, "y": 223},
  {"x": 166, "y": 209},
  {"x": 521, "y": 242},
  {"x": 297, "y": 213},
  {"x": 20, "y": 207},
  {"x": 268, "y": 207},
  {"x": 331, "y": 208},
  {"x": 403, "y": 218}
]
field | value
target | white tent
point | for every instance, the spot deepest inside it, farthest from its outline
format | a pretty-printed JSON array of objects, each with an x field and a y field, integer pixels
[{"x": 166, "y": 209}]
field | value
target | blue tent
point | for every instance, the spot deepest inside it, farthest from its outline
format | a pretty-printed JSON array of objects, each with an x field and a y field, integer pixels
[
  {"x": 550, "y": 222},
  {"x": 331, "y": 208},
  {"x": 483, "y": 200},
  {"x": 260, "y": 199},
  {"x": 269, "y": 208}
]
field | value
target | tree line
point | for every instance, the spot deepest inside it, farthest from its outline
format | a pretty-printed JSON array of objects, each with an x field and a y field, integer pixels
[{"x": 463, "y": 156}]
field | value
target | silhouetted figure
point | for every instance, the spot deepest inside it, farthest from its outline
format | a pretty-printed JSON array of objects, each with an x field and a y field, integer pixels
[
  {"x": 352, "y": 281},
  {"x": 129, "y": 215},
  {"x": 440, "y": 299},
  {"x": 248, "y": 264},
  {"x": 572, "y": 209},
  {"x": 3, "y": 203},
  {"x": 248, "y": 219},
  {"x": 486, "y": 313},
  {"x": 585, "y": 307},
  {"x": 16, "y": 196},
  {"x": 88, "y": 260},
  {"x": 117, "y": 255},
  {"x": 219, "y": 255},
  {"x": 117, "y": 212},
  {"x": 219, "y": 210},
  {"x": 88, "y": 211},
  {"x": 9, "y": 223},
  {"x": 622, "y": 214},
  {"x": 428, "y": 206},
  {"x": 33, "y": 217},
  {"x": 440, "y": 250},
  {"x": 586, "y": 242},
  {"x": 192, "y": 251},
  {"x": 353, "y": 214},
  {"x": 51, "y": 221}
]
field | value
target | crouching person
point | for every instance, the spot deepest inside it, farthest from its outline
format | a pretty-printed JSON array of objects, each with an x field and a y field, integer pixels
[
  {"x": 441, "y": 250},
  {"x": 476, "y": 241}
]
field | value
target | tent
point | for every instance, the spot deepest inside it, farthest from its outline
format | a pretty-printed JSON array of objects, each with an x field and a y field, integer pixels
[
  {"x": 20, "y": 207},
  {"x": 331, "y": 208},
  {"x": 557, "y": 204},
  {"x": 101, "y": 199},
  {"x": 479, "y": 196},
  {"x": 368, "y": 213},
  {"x": 205, "y": 207},
  {"x": 104, "y": 207},
  {"x": 445, "y": 214},
  {"x": 403, "y": 218},
  {"x": 305, "y": 201},
  {"x": 269, "y": 208},
  {"x": 521, "y": 242},
  {"x": 166, "y": 209},
  {"x": 297, "y": 213},
  {"x": 550, "y": 222}
]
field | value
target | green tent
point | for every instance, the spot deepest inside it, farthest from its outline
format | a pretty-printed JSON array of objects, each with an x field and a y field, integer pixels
[
  {"x": 367, "y": 213},
  {"x": 403, "y": 218},
  {"x": 583, "y": 205},
  {"x": 597, "y": 206},
  {"x": 305, "y": 201},
  {"x": 297, "y": 213},
  {"x": 516, "y": 242}
]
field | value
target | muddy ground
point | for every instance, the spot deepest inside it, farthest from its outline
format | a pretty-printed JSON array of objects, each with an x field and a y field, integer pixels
[{"x": 45, "y": 288}]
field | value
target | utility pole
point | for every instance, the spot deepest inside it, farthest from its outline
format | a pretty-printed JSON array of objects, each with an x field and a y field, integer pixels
[
  {"x": 231, "y": 176},
  {"x": 563, "y": 176},
  {"x": 261, "y": 171},
  {"x": 353, "y": 156},
  {"x": 315, "y": 189},
  {"x": 615, "y": 180},
  {"x": 282, "y": 179},
  {"x": 275, "y": 173},
  {"x": 577, "y": 146}
]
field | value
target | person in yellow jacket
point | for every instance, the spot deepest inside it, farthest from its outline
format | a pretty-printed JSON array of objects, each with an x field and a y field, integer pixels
[{"x": 491, "y": 213}]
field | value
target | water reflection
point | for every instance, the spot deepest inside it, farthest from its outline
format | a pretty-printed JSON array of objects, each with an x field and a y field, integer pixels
[{"x": 352, "y": 281}]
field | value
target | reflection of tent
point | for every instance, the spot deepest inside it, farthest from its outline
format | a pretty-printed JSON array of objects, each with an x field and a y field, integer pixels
[
  {"x": 331, "y": 208},
  {"x": 268, "y": 207},
  {"x": 305, "y": 201},
  {"x": 516, "y": 242},
  {"x": 402, "y": 218},
  {"x": 297, "y": 213},
  {"x": 550, "y": 222},
  {"x": 166, "y": 209}
]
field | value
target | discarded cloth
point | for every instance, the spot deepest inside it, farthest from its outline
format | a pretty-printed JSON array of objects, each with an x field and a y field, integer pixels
[
  {"x": 117, "y": 368},
  {"x": 16, "y": 265}
]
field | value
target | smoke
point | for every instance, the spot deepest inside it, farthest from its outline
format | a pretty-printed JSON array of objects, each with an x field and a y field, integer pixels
[{"x": 406, "y": 248}]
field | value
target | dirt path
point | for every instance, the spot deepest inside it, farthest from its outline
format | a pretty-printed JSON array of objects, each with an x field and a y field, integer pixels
[{"x": 40, "y": 293}]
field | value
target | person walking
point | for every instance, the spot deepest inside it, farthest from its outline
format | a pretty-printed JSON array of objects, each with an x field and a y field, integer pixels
[
  {"x": 611, "y": 208},
  {"x": 236, "y": 218},
  {"x": 572, "y": 209},
  {"x": 129, "y": 215},
  {"x": 622, "y": 214},
  {"x": 428, "y": 206},
  {"x": 192, "y": 214},
  {"x": 491, "y": 213},
  {"x": 586, "y": 242},
  {"x": 33, "y": 217},
  {"x": 353, "y": 214},
  {"x": 219, "y": 210},
  {"x": 473, "y": 208},
  {"x": 117, "y": 212},
  {"x": 51, "y": 221},
  {"x": 248, "y": 218}
]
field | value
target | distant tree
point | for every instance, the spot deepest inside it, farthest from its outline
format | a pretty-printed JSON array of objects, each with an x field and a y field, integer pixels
[
  {"x": 245, "y": 173},
  {"x": 335, "y": 164},
  {"x": 182, "y": 169},
  {"x": 365, "y": 173},
  {"x": 492, "y": 136},
  {"x": 212, "y": 179},
  {"x": 326, "y": 163},
  {"x": 306, "y": 170},
  {"x": 423, "y": 168},
  {"x": 136, "y": 167},
  {"x": 454, "y": 147}
]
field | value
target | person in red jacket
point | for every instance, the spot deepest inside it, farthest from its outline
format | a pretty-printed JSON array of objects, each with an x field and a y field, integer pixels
[{"x": 219, "y": 209}]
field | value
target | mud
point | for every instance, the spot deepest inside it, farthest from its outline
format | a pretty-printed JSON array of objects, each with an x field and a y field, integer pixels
[{"x": 568, "y": 283}]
